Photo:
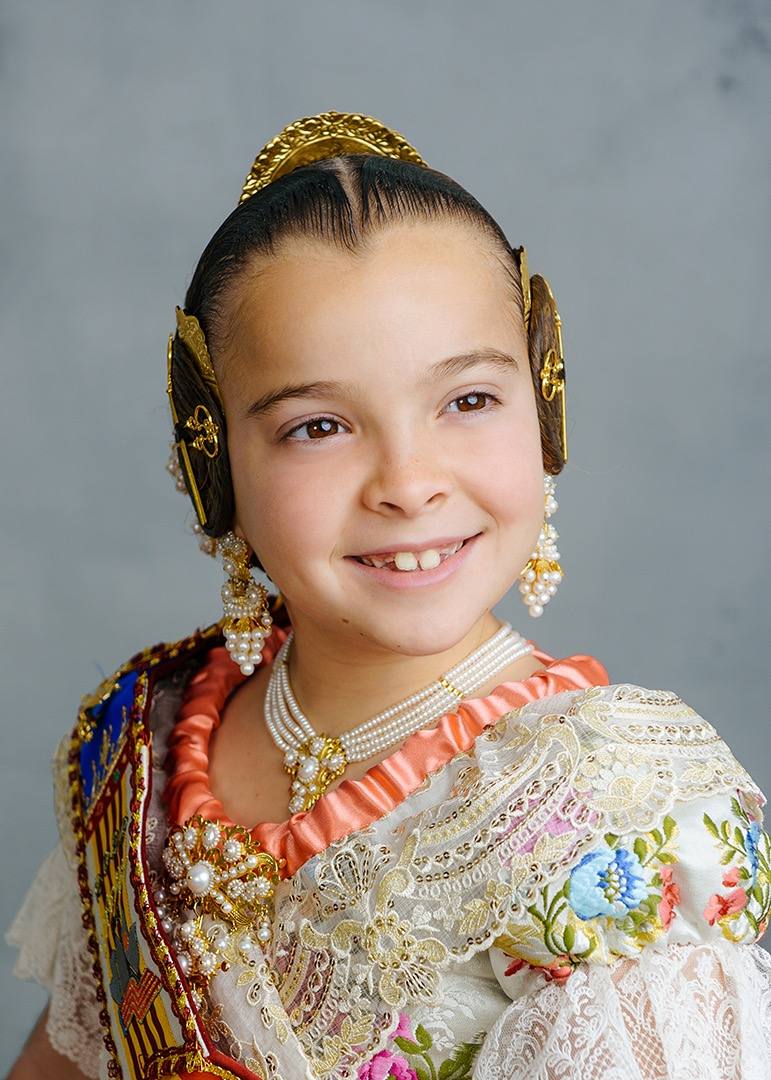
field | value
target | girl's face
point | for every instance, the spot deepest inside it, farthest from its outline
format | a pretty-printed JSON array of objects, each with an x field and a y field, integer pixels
[{"x": 417, "y": 425}]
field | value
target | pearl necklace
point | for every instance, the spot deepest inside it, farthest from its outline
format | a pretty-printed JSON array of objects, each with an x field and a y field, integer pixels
[{"x": 315, "y": 760}]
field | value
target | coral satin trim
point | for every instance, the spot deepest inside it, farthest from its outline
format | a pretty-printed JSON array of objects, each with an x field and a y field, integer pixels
[{"x": 354, "y": 804}]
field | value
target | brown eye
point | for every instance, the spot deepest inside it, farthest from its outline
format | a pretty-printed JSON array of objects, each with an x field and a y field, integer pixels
[
  {"x": 317, "y": 428},
  {"x": 476, "y": 401},
  {"x": 321, "y": 427}
]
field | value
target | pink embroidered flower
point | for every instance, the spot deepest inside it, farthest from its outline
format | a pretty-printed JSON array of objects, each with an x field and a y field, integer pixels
[
  {"x": 670, "y": 897},
  {"x": 731, "y": 877},
  {"x": 719, "y": 906},
  {"x": 558, "y": 970},
  {"x": 387, "y": 1066},
  {"x": 516, "y": 965},
  {"x": 404, "y": 1030}
]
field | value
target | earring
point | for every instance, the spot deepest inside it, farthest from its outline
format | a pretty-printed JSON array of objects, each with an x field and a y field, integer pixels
[
  {"x": 543, "y": 573},
  {"x": 247, "y": 619}
]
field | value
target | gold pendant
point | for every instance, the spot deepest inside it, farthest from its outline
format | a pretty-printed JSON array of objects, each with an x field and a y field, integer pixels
[{"x": 313, "y": 766}]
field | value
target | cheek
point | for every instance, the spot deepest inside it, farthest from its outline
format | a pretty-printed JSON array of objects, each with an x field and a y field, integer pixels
[
  {"x": 506, "y": 470},
  {"x": 285, "y": 516}
]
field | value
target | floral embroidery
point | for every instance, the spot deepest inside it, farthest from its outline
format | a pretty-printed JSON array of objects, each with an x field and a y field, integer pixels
[
  {"x": 607, "y": 882},
  {"x": 408, "y": 966},
  {"x": 742, "y": 913},
  {"x": 616, "y": 899},
  {"x": 670, "y": 897},
  {"x": 386, "y": 1065}
]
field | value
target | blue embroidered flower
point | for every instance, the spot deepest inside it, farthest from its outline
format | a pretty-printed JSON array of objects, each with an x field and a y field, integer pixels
[
  {"x": 607, "y": 881},
  {"x": 751, "y": 847}
]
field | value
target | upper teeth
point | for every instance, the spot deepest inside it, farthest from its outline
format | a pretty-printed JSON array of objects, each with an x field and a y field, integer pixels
[{"x": 409, "y": 560}]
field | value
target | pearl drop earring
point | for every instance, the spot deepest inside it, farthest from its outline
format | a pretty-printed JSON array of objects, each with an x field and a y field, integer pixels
[
  {"x": 247, "y": 619},
  {"x": 542, "y": 574}
]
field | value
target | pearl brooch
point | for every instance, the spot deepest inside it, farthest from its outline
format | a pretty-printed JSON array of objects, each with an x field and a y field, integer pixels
[{"x": 219, "y": 893}]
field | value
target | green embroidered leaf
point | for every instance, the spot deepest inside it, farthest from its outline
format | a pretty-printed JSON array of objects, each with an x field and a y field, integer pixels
[
  {"x": 752, "y": 920},
  {"x": 611, "y": 839},
  {"x": 710, "y": 826},
  {"x": 569, "y": 938},
  {"x": 425, "y": 1040},
  {"x": 737, "y": 808},
  {"x": 670, "y": 827},
  {"x": 727, "y": 857},
  {"x": 656, "y": 880},
  {"x": 558, "y": 912},
  {"x": 458, "y": 1067},
  {"x": 421, "y": 1073},
  {"x": 640, "y": 849},
  {"x": 738, "y": 837},
  {"x": 744, "y": 873},
  {"x": 667, "y": 857},
  {"x": 757, "y": 894},
  {"x": 724, "y": 832},
  {"x": 656, "y": 834},
  {"x": 407, "y": 1046}
]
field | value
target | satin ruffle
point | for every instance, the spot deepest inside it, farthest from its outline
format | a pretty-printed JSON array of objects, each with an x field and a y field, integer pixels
[{"x": 354, "y": 804}]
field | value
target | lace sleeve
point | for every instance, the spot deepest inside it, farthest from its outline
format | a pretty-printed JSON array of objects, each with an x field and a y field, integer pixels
[
  {"x": 642, "y": 963},
  {"x": 53, "y": 950},
  {"x": 691, "y": 1012}
]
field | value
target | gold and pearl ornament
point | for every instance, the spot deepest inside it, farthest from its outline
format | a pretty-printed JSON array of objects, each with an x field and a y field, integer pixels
[
  {"x": 542, "y": 574},
  {"x": 247, "y": 619},
  {"x": 218, "y": 894}
]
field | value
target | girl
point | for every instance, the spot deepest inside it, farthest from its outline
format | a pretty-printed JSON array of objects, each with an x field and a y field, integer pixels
[{"x": 361, "y": 828}]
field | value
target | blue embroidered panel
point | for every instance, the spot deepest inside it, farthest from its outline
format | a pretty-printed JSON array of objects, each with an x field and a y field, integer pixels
[{"x": 111, "y": 719}]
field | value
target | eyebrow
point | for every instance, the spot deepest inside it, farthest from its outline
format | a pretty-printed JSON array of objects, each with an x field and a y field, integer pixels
[{"x": 452, "y": 365}]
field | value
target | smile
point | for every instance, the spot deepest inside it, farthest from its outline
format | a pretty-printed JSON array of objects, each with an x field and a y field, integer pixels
[{"x": 405, "y": 569}]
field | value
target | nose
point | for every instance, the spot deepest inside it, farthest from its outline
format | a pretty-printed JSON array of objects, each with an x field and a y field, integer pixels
[{"x": 405, "y": 478}]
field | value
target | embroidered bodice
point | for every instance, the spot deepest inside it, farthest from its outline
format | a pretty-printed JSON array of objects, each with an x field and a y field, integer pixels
[{"x": 564, "y": 879}]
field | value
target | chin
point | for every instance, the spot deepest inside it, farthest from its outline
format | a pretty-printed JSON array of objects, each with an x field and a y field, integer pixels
[{"x": 423, "y": 634}]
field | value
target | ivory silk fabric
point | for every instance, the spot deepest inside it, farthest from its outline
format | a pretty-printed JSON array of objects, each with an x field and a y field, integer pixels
[{"x": 563, "y": 879}]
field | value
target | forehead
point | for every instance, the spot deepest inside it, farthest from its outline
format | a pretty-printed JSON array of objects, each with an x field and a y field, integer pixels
[{"x": 421, "y": 289}]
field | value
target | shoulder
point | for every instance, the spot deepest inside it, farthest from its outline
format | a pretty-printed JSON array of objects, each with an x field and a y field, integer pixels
[
  {"x": 99, "y": 707},
  {"x": 662, "y": 747},
  {"x": 113, "y": 716},
  {"x": 666, "y": 835}
]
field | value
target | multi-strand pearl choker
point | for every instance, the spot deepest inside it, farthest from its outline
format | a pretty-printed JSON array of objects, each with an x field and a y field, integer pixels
[{"x": 315, "y": 760}]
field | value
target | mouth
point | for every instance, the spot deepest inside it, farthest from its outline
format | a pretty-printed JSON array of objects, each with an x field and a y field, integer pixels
[{"x": 405, "y": 568}]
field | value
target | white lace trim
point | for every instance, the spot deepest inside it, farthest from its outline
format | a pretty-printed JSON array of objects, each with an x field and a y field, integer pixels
[
  {"x": 53, "y": 950},
  {"x": 684, "y": 1012}
]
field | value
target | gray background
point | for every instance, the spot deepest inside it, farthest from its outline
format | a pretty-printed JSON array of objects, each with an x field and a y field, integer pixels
[{"x": 625, "y": 144}]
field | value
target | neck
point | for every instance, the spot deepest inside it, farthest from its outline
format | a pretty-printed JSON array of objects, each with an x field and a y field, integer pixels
[{"x": 336, "y": 691}]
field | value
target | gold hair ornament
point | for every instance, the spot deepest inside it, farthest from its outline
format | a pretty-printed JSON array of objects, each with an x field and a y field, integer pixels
[
  {"x": 180, "y": 445},
  {"x": 325, "y": 135},
  {"x": 524, "y": 277},
  {"x": 553, "y": 374},
  {"x": 207, "y": 437},
  {"x": 192, "y": 337}
]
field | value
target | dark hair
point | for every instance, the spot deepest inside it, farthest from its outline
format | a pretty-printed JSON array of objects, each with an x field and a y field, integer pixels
[{"x": 339, "y": 200}]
